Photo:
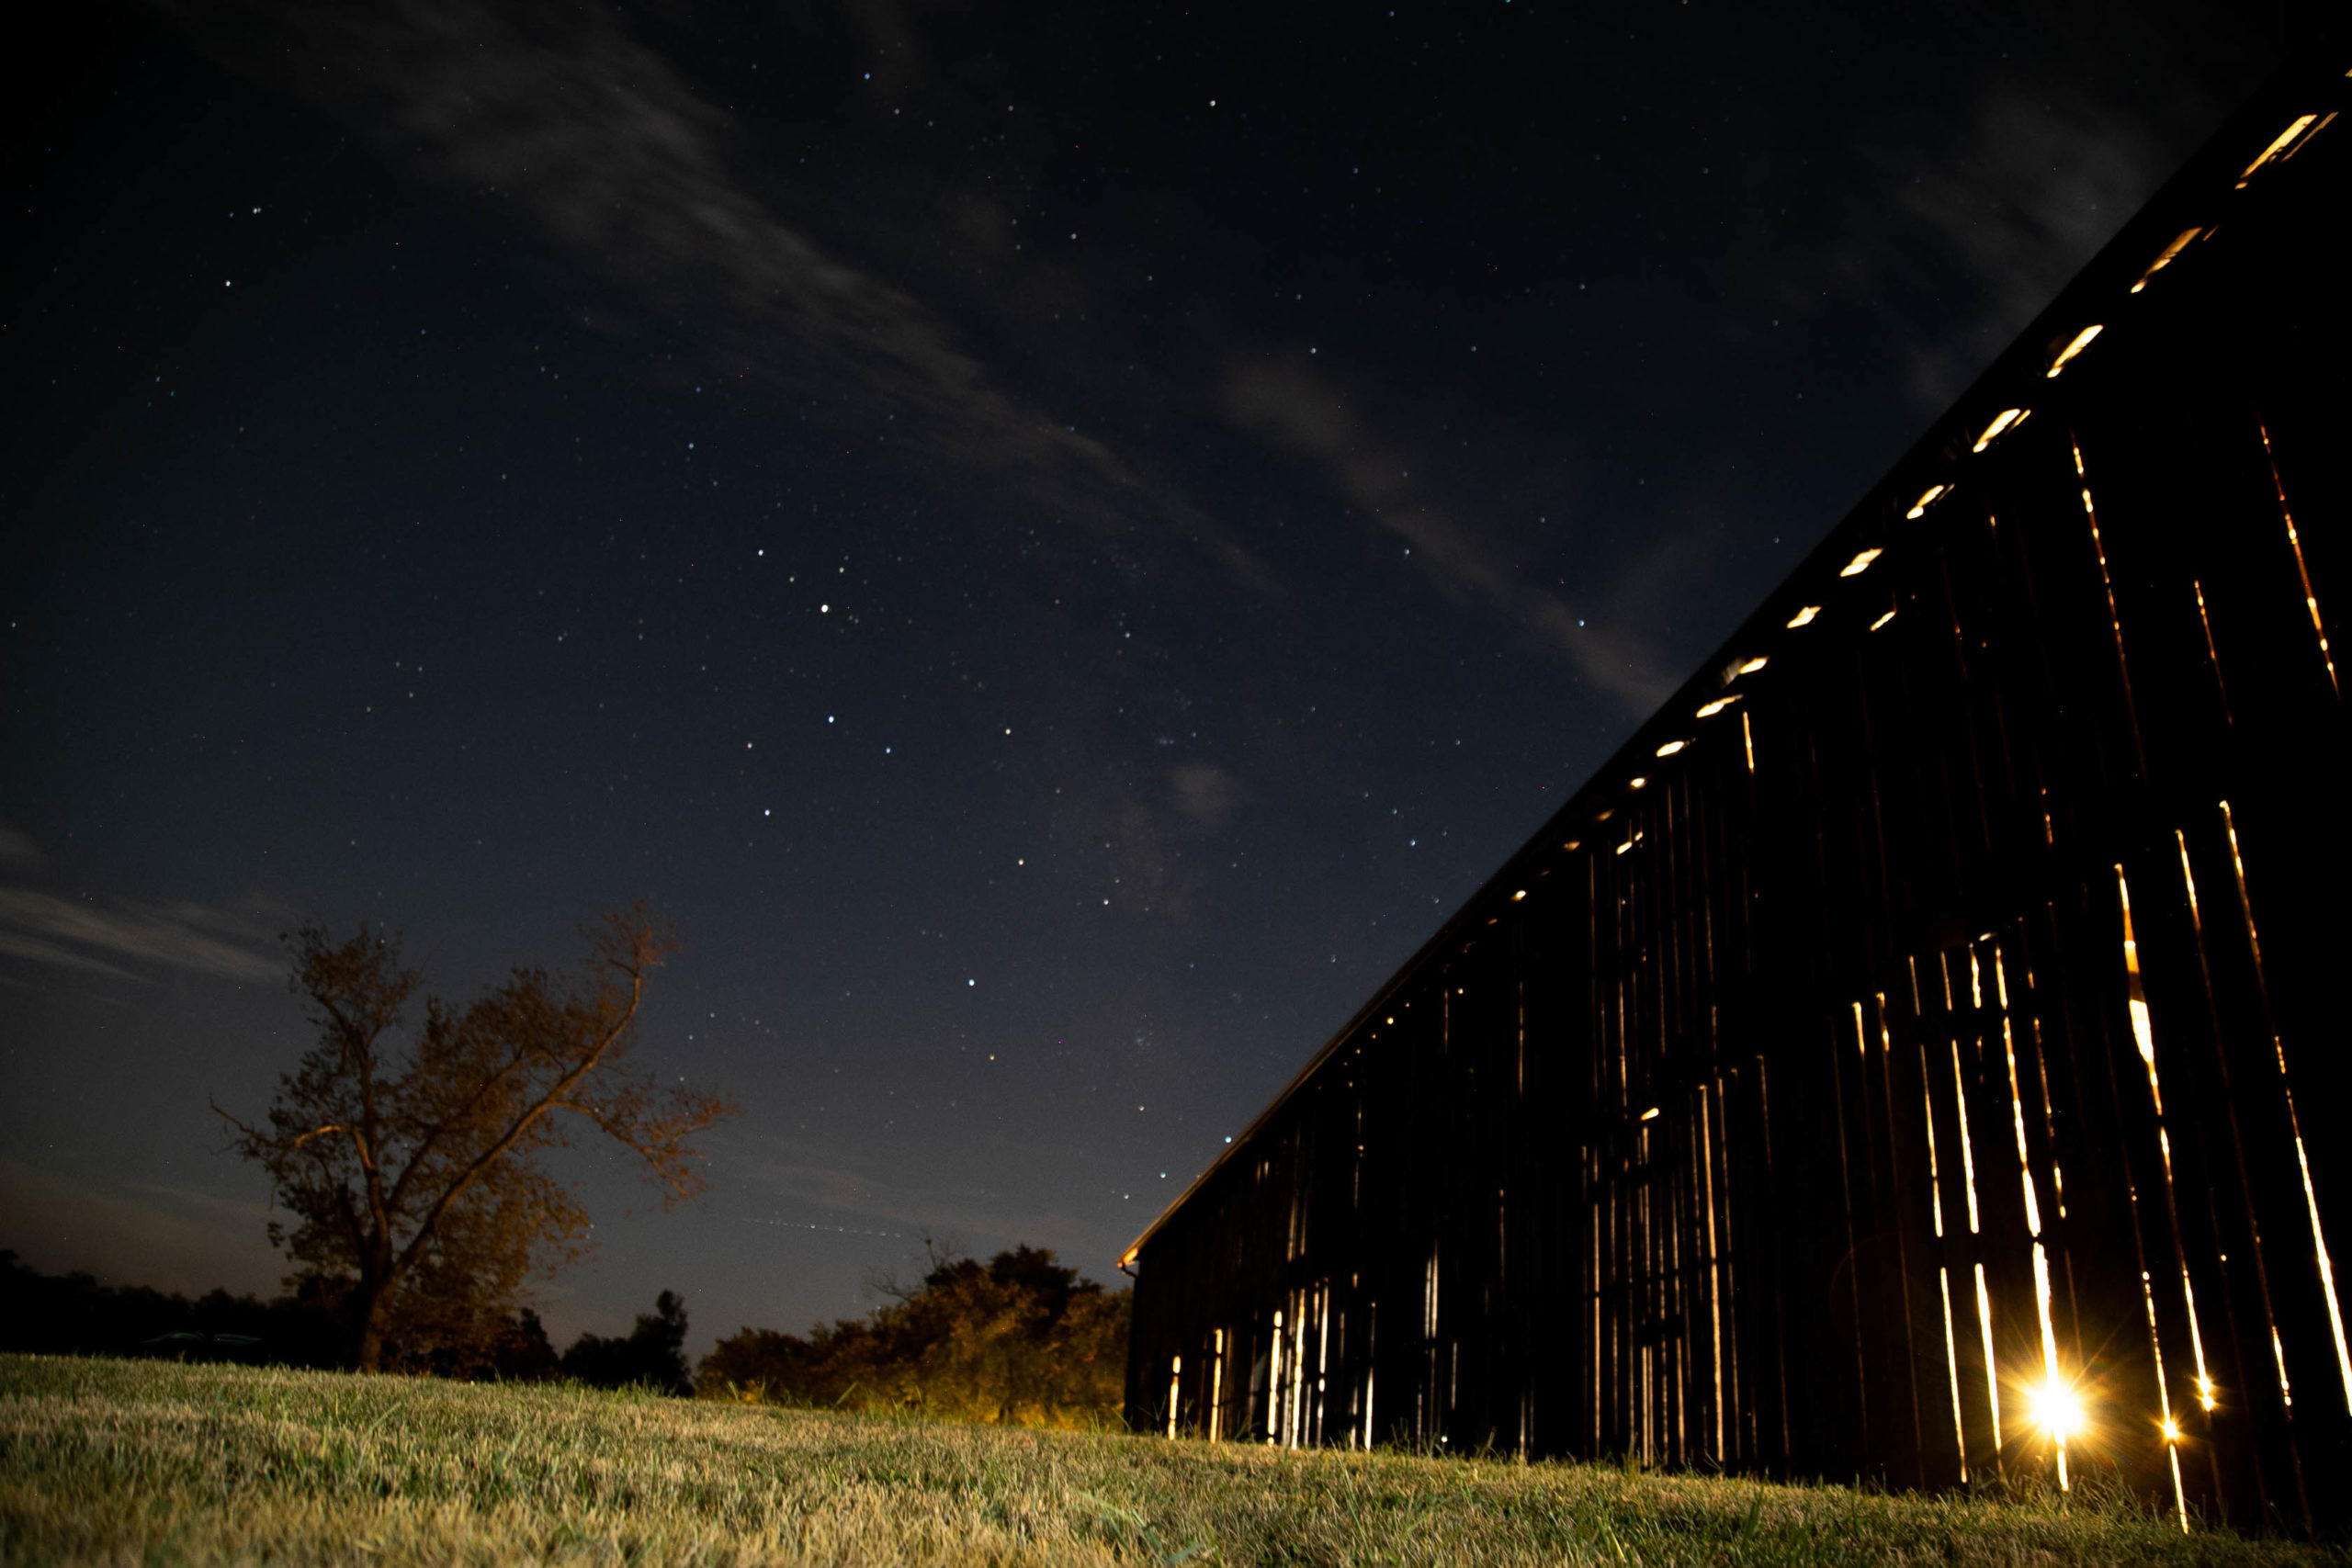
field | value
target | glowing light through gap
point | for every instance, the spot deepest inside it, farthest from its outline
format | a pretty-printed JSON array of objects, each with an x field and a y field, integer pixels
[
  {"x": 2164, "y": 259},
  {"x": 1803, "y": 617},
  {"x": 1670, "y": 748},
  {"x": 2067, "y": 355},
  {"x": 2294, "y": 1124},
  {"x": 1859, "y": 564},
  {"x": 1717, "y": 707},
  {"x": 2006, "y": 419},
  {"x": 1753, "y": 665},
  {"x": 2143, "y": 1036},
  {"x": 1747, "y": 735},
  {"x": 2310, "y": 600},
  {"x": 2164, "y": 1423},
  {"x": 1216, "y": 1390},
  {"x": 2025, "y": 1179},
  {"x": 2213, "y": 655},
  {"x": 1175, "y": 1382},
  {"x": 2286, "y": 136},
  {"x": 2261, "y": 1274},
  {"x": 1992, "y": 1366},
  {"x": 1943, "y": 1274},
  {"x": 1934, "y": 494},
  {"x": 1881, "y": 620},
  {"x": 2114, "y": 621}
]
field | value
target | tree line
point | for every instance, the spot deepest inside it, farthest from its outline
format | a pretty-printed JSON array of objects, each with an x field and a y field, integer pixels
[
  {"x": 408, "y": 1158},
  {"x": 75, "y": 1315},
  {"x": 1017, "y": 1340}
]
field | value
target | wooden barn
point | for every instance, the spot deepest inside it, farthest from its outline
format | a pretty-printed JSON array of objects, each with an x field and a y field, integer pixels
[{"x": 1916, "y": 1055}]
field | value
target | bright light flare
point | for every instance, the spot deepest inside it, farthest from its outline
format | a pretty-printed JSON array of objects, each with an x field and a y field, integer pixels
[
  {"x": 1670, "y": 748},
  {"x": 2056, "y": 1409},
  {"x": 1858, "y": 565},
  {"x": 2171, "y": 1429},
  {"x": 1934, "y": 494},
  {"x": 1803, "y": 617},
  {"x": 1753, "y": 665}
]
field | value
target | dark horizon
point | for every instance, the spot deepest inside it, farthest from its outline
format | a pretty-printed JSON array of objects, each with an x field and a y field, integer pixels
[{"x": 928, "y": 498}]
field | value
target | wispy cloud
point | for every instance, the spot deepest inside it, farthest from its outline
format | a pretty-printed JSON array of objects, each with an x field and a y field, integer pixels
[
  {"x": 1300, "y": 412},
  {"x": 619, "y": 160},
  {"x": 972, "y": 1214},
  {"x": 69, "y": 933}
]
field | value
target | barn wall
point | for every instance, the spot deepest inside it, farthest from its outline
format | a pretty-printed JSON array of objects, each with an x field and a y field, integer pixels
[{"x": 1947, "y": 1012}]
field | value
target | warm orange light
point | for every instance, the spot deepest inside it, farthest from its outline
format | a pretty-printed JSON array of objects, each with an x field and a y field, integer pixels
[
  {"x": 1716, "y": 706},
  {"x": 2056, "y": 1409},
  {"x": 1518, "y": 896},
  {"x": 1651, "y": 1115},
  {"x": 1881, "y": 620},
  {"x": 1572, "y": 843},
  {"x": 1624, "y": 847},
  {"x": 2001, "y": 422},
  {"x": 2276, "y": 147},
  {"x": 1638, "y": 783},
  {"x": 2205, "y": 1393},
  {"x": 1804, "y": 617},
  {"x": 1859, "y": 564},
  {"x": 2165, "y": 258},
  {"x": 2171, "y": 1429},
  {"x": 1753, "y": 665},
  {"x": 1934, "y": 494},
  {"x": 2065, "y": 356},
  {"x": 1670, "y": 748}
]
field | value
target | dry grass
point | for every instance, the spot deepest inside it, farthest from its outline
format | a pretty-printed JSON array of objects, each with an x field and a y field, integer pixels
[{"x": 132, "y": 1462}]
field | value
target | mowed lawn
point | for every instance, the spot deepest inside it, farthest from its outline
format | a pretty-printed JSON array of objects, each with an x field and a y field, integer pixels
[{"x": 143, "y": 1462}]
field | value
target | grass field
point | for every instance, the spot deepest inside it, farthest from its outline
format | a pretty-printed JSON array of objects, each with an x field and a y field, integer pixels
[{"x": 143, "y": 1462}]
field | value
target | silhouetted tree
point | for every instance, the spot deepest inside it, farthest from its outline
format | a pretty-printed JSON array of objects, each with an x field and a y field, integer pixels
[
  {"x": 1019, "y": 1340},
  {"x": 654, "y": 1353},
  {"x": 415, "y": 1176}
]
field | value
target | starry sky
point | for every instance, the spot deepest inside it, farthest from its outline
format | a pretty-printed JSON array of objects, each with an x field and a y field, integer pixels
[{"x": 1055, "y": 542}]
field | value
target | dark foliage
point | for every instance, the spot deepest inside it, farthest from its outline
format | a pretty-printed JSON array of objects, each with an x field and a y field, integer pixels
[
  {"x": 73, "y": 1315},
  {"x": 653, "y": 1354},
  {"x": 1018, "y": 1339}
]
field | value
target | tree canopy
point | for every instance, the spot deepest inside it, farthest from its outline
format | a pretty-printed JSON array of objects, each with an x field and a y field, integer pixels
[{"x": 409, "y": 1145}]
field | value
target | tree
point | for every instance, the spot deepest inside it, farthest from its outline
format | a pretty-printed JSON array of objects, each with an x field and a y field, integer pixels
[
  {"x": 653, "y": 1354},
  {"x": 1018, "y": 1340},
  {"x": 415, "y": 1177}
]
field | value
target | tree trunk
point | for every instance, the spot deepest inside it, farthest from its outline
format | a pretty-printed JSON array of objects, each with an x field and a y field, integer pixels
[{"x": 370, "y": 1301}]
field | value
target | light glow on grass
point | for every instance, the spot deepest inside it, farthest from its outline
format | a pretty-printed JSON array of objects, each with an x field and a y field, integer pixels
[{"x": 124, "y": 1461}]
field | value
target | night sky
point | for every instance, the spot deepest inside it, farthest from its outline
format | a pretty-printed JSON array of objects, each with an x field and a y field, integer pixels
[{"x": 1055, "y": 542}]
